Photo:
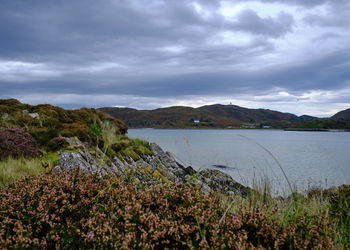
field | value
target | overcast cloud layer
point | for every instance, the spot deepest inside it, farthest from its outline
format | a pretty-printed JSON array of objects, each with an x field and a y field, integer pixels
[{"x": 286, "y": 55}]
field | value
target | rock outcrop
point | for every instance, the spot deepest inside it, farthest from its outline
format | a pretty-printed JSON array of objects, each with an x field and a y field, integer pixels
[{"x": 161, "y": 167}]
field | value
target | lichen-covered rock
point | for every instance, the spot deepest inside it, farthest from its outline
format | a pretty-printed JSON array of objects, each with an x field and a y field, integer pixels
[
  {"x": 161, "y": 167},
  {"x": 78, "y": 156},
  {"x": 222, "y": 182},
  {"x": 34, "y": 115}
]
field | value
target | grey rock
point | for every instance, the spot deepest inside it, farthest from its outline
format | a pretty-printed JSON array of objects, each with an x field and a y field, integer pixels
[
  {"x": 83, "y": 160},
  {"x": 34, "y": 115},
  {"x": 221, "y": 167},
  {"x": 222, "y": 182},
  {"x": 147, "y": 170},
  {"x": 118, "y": 163}
]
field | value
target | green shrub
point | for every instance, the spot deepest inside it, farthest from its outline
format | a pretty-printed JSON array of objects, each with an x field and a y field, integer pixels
[
  {"x": 57, "y": 143},
  {"x": 141, "y": 147},
  {"x": 121, "y": 144},
  {"x": 43, "y": 135}
]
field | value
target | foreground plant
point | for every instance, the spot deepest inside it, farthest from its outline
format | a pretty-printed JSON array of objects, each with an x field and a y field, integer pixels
[{"x": 72, "y": 210}]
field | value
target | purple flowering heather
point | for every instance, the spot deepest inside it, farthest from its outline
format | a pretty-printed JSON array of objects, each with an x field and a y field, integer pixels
[
  {"x": 91, "y": 235},
  {"x": 15, "y": 142}
]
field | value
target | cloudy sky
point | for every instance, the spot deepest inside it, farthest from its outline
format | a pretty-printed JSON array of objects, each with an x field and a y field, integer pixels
[{"x": 286, "y": 55}]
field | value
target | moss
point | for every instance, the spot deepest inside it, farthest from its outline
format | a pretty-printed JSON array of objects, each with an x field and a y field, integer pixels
[
  {"x": 156, "y": 174},
  {"x": 110, "y": 152},
  {"x": 71, "y": 148},
  {"x": 122, "y": 143},
  {"x": 141, "y": 150},
  {"x": 161, "y": 177},
  {"x": 129, "y": 151},
  {"x": 49, "y": 160}
]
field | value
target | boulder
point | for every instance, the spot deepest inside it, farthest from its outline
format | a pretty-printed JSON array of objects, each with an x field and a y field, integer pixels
[
  {"x": 222, "y": 182},
  {"x": 161, "y": 167},
  {"x": 78, "y": 156},
  {"x": 34, "y": 115}
]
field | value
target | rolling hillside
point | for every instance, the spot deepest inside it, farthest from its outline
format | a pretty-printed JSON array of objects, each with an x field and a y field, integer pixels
[
  {"x": 210, "y": 116},
  {"x": 342, "y": 115}
]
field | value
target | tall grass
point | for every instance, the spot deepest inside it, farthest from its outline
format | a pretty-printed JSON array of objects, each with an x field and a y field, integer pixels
[{"x": 13, "y": 169}]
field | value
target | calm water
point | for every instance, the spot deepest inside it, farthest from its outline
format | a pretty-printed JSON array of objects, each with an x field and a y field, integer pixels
[{"x": 308, "y": 158}]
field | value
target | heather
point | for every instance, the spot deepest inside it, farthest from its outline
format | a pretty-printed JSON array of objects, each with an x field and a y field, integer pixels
[
  {"x": 75, "y": 210},
  {"x": 15, "y": 142}
]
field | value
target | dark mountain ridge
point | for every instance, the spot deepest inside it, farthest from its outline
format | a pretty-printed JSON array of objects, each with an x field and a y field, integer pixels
[
  {"x": 342, "y": 115},
  {"x": 216, "y": 116}
]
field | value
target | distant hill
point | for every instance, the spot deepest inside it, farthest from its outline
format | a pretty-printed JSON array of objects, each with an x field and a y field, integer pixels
[
  {"x": 342, "y": 115},
  {"x": 210, "y": 116},
  {"x": 307, "y": 118}
]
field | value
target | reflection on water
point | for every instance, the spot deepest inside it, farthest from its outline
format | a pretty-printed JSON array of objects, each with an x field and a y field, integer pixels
[{"x": 308, "y": 158}]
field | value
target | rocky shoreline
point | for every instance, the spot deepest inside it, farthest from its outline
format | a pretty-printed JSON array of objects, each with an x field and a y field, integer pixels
[{"x": 160, "y": 167}]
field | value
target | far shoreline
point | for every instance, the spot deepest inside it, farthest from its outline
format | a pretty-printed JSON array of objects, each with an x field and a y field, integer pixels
[{"x": 263, "y": 129}]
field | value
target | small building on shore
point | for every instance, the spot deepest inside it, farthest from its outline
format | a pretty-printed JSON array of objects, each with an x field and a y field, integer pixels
[{"x": 249, "y": 126}]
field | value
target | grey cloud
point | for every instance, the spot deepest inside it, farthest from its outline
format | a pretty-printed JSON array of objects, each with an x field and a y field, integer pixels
[
  {"x": 308, "y": 3},
  {"x": 250, "y": 21},
  {"x": 329, "y": 72},
  {"x": 327, "y": 21},
  {"x": 337, "y": 16},
  {"x": 121, "y": 48},
  {"x": 328, "y": 35}
]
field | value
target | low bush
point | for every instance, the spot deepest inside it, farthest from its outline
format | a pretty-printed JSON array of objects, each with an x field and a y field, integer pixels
[
  {"x": 71, "y": 210},
  {"x": 43, "y": 135},
  {"x": 57, "y": 143},
  {"x": 15, "y": 142},
  {"x": 340, "y": 209}
]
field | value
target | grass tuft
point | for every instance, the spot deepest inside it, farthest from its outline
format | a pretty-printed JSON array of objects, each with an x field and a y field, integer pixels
[{"x": 14, "y": 169}]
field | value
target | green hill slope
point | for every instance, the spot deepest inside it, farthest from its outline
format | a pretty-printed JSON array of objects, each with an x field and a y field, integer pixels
[{"x": 211, "y": 116}]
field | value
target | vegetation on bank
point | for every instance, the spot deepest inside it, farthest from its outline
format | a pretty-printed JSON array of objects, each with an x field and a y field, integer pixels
[
  {"x": 40, "y": 208},
  {"x": 30, "y": 136},
  {"x": 323, "y": 124},
  {"x": 46, "y": 122}
]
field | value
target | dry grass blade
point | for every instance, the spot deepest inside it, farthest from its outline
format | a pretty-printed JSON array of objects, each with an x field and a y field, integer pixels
[{"x": 273, "y": 157}]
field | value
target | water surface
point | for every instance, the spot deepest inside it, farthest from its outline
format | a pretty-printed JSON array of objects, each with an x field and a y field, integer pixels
[{"x": 308, "y": 158}]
